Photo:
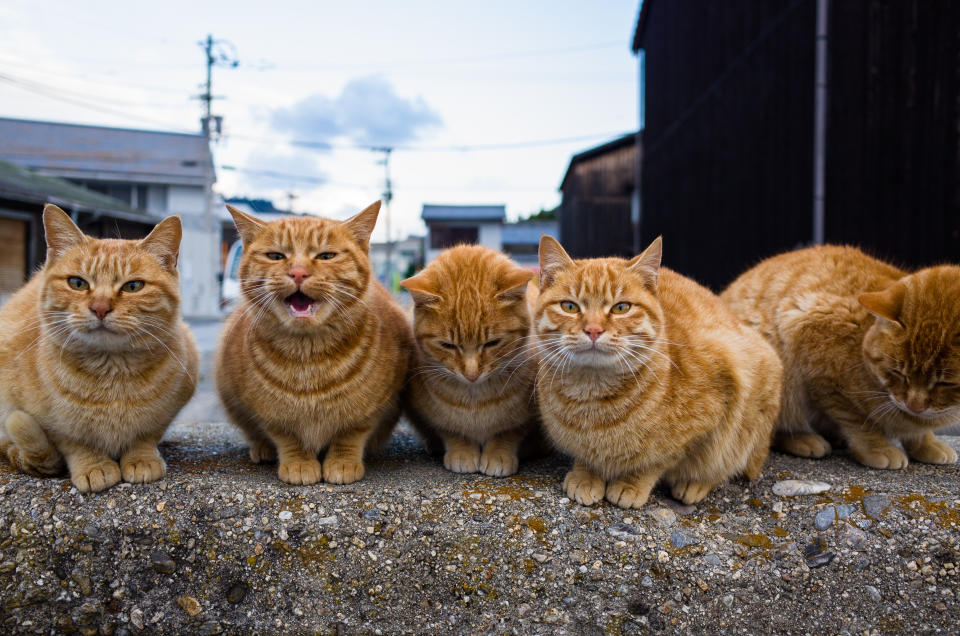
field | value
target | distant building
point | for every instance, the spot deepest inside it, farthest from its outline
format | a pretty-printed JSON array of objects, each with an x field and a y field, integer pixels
[
  {"x": 156, "y": 173},
  {"x": 23, "y": 194},
  {"x": 408, "y": 257},
  {"x": 756, "y": 140},
  {"x": 600, "y": 211},
  {"x": 449, "y": 225},
  {"x": 521, "y": 241}
]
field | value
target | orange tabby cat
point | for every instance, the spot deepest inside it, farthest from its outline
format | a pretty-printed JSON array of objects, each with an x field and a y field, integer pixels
[
  {"x": 94, "y": 359},
  {"x": 472, "y": 383},
  {"x": 317, "y": 353},
  {"x": 645, "y": 375},
  {"x": 868, "y": 350}
]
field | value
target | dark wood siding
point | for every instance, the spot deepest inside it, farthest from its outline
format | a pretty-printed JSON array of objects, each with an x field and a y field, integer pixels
[
  {"x": 727, "y": 162},
  {"x": 893, "y": 171},
  {"x": 595, "y": 212}
]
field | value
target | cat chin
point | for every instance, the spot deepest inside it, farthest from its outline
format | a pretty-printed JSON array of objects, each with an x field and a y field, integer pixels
[{"x": 595, "y": 358}]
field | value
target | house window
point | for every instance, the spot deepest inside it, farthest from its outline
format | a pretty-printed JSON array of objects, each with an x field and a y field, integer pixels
[{"x": 442, "y": 237}]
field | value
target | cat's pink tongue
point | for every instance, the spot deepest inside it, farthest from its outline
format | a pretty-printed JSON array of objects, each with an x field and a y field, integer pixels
[{"x": 300, "y": 303}]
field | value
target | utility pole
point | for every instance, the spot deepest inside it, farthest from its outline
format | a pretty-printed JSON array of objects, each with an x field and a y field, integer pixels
[
  {"x": 291, "y": 197},
  {"x": 218, "y": 53},
  {"x": 387, "y": 197}
]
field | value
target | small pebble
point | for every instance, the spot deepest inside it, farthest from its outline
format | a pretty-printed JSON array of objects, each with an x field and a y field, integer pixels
[
  {"x": 681, "y": 539},
  {"x": 797, "y": 487},
  {"x": 285, "y": 515},
  {"x": 873, "y": 593},
  {"x": 663, "y": 516},
  {"x": 162, "y": 562},
  {"x": 190, "y": 605},
  {"x": 875, "y": 505}
]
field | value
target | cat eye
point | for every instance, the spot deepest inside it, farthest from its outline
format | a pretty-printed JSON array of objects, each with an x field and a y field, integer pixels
[
  {"x": 945, "y": 385},
  {"x": 326, "y": 256},
  {"x": 275, "y": 256},
  {"x": 448, "y": 345},
  {"x": 620, "y": 308},
  {"x": 132, "y": 286},
  {"x": 492, "y": 343},
  {"x": 78, "y": 283},
  {"x": 570, "y": 307}
]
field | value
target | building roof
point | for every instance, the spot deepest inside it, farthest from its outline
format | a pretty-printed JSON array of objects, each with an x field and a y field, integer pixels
[
  {"x": 528, "y": 232},
  {"x": 629, "y": 139},
  {"x": 74, "y": 151},
  {"x": 21, "y": 184},
  {"x": 641, "y": 25},
  {"x": 463, "y": 212}
]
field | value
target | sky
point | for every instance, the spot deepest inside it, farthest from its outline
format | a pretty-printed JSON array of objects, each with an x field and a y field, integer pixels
[{"x": 483, "y": 103}]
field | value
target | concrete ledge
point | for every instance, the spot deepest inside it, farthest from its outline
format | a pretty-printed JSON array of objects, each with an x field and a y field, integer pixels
[{"x": 221, "y": 545}]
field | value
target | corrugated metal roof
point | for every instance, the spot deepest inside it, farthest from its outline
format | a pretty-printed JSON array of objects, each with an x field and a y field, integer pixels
[
  {"x": 528, "y": 233},
  {"x": 21, "y": 184},
  {"x": 463, "y": 212},
  {"x": 94, "y": 152}
]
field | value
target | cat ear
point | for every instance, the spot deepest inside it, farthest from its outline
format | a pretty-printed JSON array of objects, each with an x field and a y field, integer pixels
[
  {"x": 553, "y": 258},
  {"x": 361, "y": 225},
  {"x": 647, "y": 264},
  {"x": 61, "y": 232},
  {"x": 513, "y": 286},
  {"x": 886, "y": 304},
  {"x": 248, "y": 227},
  {"x": 421, "y": 290},
  {"x": 163, "y": 242}
]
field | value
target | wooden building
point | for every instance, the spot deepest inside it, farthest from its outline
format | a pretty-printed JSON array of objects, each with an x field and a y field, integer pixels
[
  {"x": 600, "y": 208},
  {"x": 729, "y": 101}
]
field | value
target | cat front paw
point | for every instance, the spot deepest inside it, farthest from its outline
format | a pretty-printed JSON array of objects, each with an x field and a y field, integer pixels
[
  {"x": 96, "y": 477},
  {"x": 300, "y": 472},
  {"x": 583, "y": 487},
  {"x": 933, "y": 452},
  {"x": 143, "y": 470},
  {"x": 498, "y": 463},
  {"x": 342, "y": 471},
  {"x": 262, "y": 451},
  {"x": 690, "y": 492},
  {"x": 804, "y": 445},
  {"x": 462, "y": 460},
  {"x": 886, "y": 457},
  {"x": 626, "y": 495}
]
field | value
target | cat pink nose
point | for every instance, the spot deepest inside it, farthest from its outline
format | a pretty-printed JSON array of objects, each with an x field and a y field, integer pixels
[
  {"x": 471, "y": 375},
  {"x": 101, "y": 308},
  {"x": 298, "y": 274},
  {"x": 916, "y": 406},
  {"x": 594, "y": 331}
]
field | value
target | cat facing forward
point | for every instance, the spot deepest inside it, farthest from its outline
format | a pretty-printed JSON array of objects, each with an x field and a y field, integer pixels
[
  {"x": 869, "y": 352},
  {"x": 315, "y": 356},
  {"x": 646, "y": 376},
  {"x": 472, "y": 382},
  {"x": 94, "y": 359}
]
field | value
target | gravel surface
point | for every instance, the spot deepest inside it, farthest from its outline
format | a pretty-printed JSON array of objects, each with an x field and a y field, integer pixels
[{"x": 221, "y": 546}]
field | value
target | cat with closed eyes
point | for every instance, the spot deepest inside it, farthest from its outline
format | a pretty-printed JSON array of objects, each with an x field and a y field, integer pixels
[
  {"x": 471, "y": 385},
  {"x": 871, "y": 353}
]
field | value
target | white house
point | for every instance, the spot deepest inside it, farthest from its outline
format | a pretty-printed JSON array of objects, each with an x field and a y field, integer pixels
[
  {"x": 161, "y": 173},
  {"x": 449, "y": 225}
]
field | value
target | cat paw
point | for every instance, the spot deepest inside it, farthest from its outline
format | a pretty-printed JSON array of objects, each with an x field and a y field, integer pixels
[
  {"x": 888, "y": 457},
  {"x": 97, "y": 477},
  {"x": 584, "y": 488},
  {"x": 805, "y": 445},
  {"x": 498, "y": 464},
  {"x": 262, "y": 451},
  {"x": 933, "y": 452},
  {"x": 143, "y": 471},
  {"x": 690, "y": 492},
  {"x": 626, "y": 495},
  {"x": 342, "y": 471},
  {"x": 300, "y": 472},
  {"x": 462, "y": 461}
]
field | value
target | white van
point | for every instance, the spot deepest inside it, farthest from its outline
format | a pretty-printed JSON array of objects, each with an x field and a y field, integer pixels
[{"x": 230, "y": 285}]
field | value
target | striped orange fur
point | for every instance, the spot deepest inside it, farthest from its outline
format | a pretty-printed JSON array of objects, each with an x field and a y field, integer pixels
[
  {"x": 871, "y": 353},
  {"x": 92, "y": 368},
  {"x": 646, "y": 376},
  {"x": 316, "y": 355},
  {"x": 472, "y": 382}
]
